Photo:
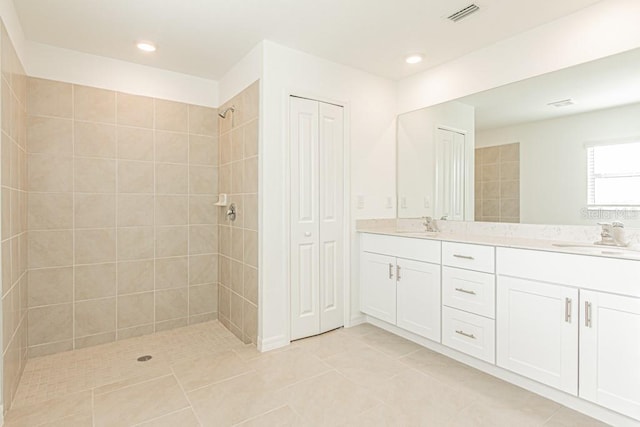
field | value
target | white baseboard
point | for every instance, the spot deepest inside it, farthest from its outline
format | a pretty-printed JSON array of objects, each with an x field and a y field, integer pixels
[{"x": 272, "y": 343}]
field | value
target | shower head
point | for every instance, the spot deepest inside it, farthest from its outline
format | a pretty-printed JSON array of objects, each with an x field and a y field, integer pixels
[{"x": 224, "y": 112}]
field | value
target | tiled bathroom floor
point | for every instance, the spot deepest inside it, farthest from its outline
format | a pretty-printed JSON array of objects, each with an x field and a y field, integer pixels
[{"x": 202, "y": 375}]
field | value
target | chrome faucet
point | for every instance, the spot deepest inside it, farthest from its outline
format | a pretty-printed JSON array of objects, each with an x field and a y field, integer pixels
[
  {"x": 430, "y": 224},
  {"x": 612, "y": 234}
]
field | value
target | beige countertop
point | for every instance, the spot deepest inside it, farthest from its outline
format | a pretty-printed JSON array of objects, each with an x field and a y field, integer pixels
[{"x": 576, "y": 248}]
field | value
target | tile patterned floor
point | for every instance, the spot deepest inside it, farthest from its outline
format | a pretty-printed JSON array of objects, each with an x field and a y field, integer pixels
[{"x": 202, "y": 375}]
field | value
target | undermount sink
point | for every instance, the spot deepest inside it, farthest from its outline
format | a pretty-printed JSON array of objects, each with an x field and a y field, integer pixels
[{"x": 600, "y": 249}]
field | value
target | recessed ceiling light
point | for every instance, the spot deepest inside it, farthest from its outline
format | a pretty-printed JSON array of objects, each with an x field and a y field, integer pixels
[
  {"x": 414, "y": 59},
  {"x": 146, "y": 46}
]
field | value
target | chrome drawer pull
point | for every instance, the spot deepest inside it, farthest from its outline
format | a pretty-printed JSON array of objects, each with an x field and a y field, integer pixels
[
  {"x": 567, "y": 310},
  {"x": 587, "y": 314},
  {"x": 463, "y": 256},
  {"x": 398, "y": 273},
  {"x": 390, "y": 271},
  {"x": 464, "y": 334},
  {"x": 464, "y": 291}
]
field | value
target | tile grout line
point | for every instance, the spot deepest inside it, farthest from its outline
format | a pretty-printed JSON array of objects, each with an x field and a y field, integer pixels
[
  {"x": 117, "y": 229},
  {"x": 186, "y": 396},
  {"x": 73, "y": 218}
]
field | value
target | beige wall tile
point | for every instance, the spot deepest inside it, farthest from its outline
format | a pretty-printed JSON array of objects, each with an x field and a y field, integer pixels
[
  {"x": 224, "y": 181},
  {"x": 203, "y": 120},
  {"x": 251, "y": 102},
  {"x": 237, "y": 244},
  {"x": 50, "y": 248},
  {"x": 251, "y": 139},
  {"x": 172, "y": 241},
  {"x": 200, "y": 318},
  {"x": 5, "y": 157},
  {"x": 92, "y": 104},
  {"x": 50, "y": 323},
  {"x": 171, "y": 272},
  {"x": 509, "y": 171},
  {"x": 49, "y": 135},
  {"x": 203, "y": 150},
  {"x": 250, "y": 322},
  {"x": 202, "y": 209},
  {"x": 224, "y": 148},
  {"x": 251, "y": 248},
  {"x": 50, "y": 286},
  {"x": 135, "y": 276},
  {"x": 135, "y": 243},
  {"x": 135, "y": 310},
  {"x": 171, "y": 115},
  {"x": 224, "y": 240},
  {"x": 251, "y": 284},
  {"x": 510, "y": 152},
  {"x": 203, "y": 269},
  {"x": 172, "y": 147},
  {"x": 166, "y": 325},
  {"x": 95, "y": 316},
  {"x": 135, "y": 210},
  {"x": 171, "y": 179},
  {"x": 224, "y": 264},
  {"x": 50, "y": 173},
  {"x": 95, "y": 210},
  {"x": 136, "y": 331},
  {"x": 203, "y": 239},
  {"x": 135, "y": 143},
  {"x": 224, "y": 301},
  {"x": 490, "y": 208},
  {"x": 47, "y": 349},
  {"x": 49, "y": 98},
  {"x": 6, "y": 218},
  {"x": 92, "y": 340},
  {"x": 95, "y": 281},
  {"x": 237, "y": 144},
  {"x": 510, "y": 208},
  {"x": 172, "y": 210},
  {"x": 48, "y": 211},
  {"x": 250, "y": 179},
  {"x": 490, "y": 172},
  {"x": 490, "y": 155},
  {"x": 235, "y": 316},
  {"x": 491, "y": 190},
  {"x": 203, "y": 299},
  {"x": 134, "y": 110},
  {"x": 94, "y": 175},
  {"x": 95, "y": 246},
  {"x": 135, "y": 177},
  {"x": 251, "y": 211},
  {"x": 237, "y": 177},
  {"x": 237, "y": 277},
  {"x": 203, "y": 179},
  {"x": 510, "y": 189},
  {"x": 94, "y": 140},
  {"x": 171, "y": 304}
]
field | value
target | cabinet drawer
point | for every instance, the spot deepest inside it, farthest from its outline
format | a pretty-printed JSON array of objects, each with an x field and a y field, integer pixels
[
  {"x": 402, "y": 247},
  {"x": 470, "y": 291},
  {"x": 469, "y": 333},
  {"x": 471, "y": 257}
]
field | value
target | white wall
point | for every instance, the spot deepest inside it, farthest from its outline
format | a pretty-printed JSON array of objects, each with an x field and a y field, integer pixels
[
  {"x": 553, "y": 161},
  {"x": 49, "y": 62},
  {"x": 370, "y": 109},
  {"x": 605, "y": 28},
  {"x": 242, "y": 74}
]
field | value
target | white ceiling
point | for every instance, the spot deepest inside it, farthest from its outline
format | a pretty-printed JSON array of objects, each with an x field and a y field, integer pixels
[
  {"x": 608, "y": 82},
  {"x": 206, "y": 37}
]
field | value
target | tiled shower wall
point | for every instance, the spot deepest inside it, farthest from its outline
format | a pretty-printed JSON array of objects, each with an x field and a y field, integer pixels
[
  {"x": 239, "y": 239},
  {"x": 123, "y": 235},
  {"x": 14, "y": 219},
  {"x": 497, "y": 183}
]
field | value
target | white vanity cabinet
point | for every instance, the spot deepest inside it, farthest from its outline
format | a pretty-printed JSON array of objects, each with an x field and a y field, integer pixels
[
  {"x": 468, "y": 299},
  {"x": 562, "y": 324},
  {"x": 400, "y": 282},
  {"x": 537, "y": 331},
  {"x": 610, "y": 351}
]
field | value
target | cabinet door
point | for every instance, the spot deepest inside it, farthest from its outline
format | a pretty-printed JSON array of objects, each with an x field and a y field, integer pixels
[
  {"x": 537, "y": 331},
  {"x": 610, "y": 351},
  {"x": 378, "y": 286},
  {"x": 419, "y": 298}
]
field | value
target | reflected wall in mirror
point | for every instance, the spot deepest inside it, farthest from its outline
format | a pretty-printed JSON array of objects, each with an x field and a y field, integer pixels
[{"x": 554, "y": 149}]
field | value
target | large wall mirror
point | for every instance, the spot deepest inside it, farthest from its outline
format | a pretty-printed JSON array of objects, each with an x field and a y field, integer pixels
[{"x": 561, "y": 148}]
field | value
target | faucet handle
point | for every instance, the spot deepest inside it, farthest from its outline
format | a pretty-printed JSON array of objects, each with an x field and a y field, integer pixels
[{"x": 617, "y": 224}]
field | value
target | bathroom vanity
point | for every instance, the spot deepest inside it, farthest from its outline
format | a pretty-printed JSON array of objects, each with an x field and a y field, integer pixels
[{"x": 565, "y": 319}]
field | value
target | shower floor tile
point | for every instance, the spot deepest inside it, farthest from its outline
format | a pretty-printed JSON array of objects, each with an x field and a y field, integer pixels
[{"x": 202, "y": 375}]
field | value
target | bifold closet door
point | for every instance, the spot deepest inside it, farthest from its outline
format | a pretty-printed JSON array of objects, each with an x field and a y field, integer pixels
[{"x": 317, "y": 212}]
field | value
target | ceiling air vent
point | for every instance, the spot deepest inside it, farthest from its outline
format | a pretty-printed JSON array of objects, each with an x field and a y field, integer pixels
[{"x": 463, "y": 13}]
